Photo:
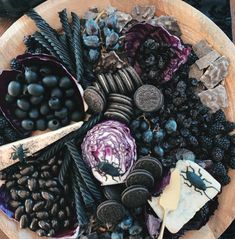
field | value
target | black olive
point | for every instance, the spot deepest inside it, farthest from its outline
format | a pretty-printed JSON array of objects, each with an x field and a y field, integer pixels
[
  {"x": 54, "y": 103},
  {"x": 50, "y": 117},
  {"x": 34, "y": 113},
  {"x": 50, "y": 81},
  {"x": 30, "y": 75},
  {"x": 20, "y": 114},
  {"x": 64, "y": 121},
  {"x": 62, "y": 113},
  {"x": 77, "y": 116},
  {"x": 44, "y": 71},
  {"x": 20, "y": 78},
  {"x": 53, "y": 124},
  {"x": 23, "y": 104},
  {"x": 70, "y": 92},
  {"x": 65, "y": 83},
  {"x": 35, "y": 89},
  {"x": 44, "y": 109},
  {"x": 35, "y": 100},
  {"x": 57, "y": 92},
  {"x": 10, "y": 99},
  {"x": 41, "y": 124},
  {"x": 27, "y": 124},
  {"x": 14, "y": 88},
  {"x": 69, "y": 104}
]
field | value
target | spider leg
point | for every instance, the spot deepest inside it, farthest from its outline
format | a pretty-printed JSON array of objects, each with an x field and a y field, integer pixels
[
  {"x": 200, "y": 173},
  {"x": 192, "y": 168},
  {"x": 197, "y": 190},
  {"x": 114, "y": 179},
  {"x": 183, "y": 172},
  {"x": 206, "y": 180},
  {"x": 213, "y": 188},
  {"x": 188, "y": 184},
  {"x": 184, "y": 177},
  {"x": 207, "y": 195}
]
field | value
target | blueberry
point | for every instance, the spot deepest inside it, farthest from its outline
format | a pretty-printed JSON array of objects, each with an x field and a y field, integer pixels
[
  {"x": 53, "y": 124},
  {"x": 117, "y": 235},
  {"x": 91, "y": 41},
  {"x": 30, "y": 76},
  {"x": 111, "y": 40},
  {"x": 35, "y": 100},
  {"x": 91, "y": 27},
  {"x": 144, "y": 126},
  {"x": 171, "y": 126},
  {"x": 135, "y": 230},
  {"x": 57, "y": 92},
  {"x": 138, "y": 136},
  {"x": 69, "y": 104},
  {"x": 41, "y": 124},
  {"x": 20, "y": 114},
  {"x": 50, "y": 81},
  {"x": 9, "y": 98},
  {"x": 135, "y": 124},
  {"x": 14, "y": 88},
  {"x": 54, "y": 103},
  {"x": 45, "y": 71},
  {"x": 23, "y": 104},
  {"x": 77, "y": 116},
  {"x": 62, "y": 113},
  {"x": 147, "y": 136},
  {"x": 107, "y": 31},
  {"x": 44, "y": 109},
  {"x": 27, "y": 124},
  {"x": 126, "y": 223},
  {"x": 35, "y": 89},
  {"x": 158, "y": 151},
  {"x": 93, "y": 55},
  {"x": 111, "y": 21},
  {"x": 159, "y": 135},
  {"x": 65, "y": 83},
  {"x": 150, "y": 61},
  {"x": 34, "y": 113},
  {"x": 143, "y": 151}
]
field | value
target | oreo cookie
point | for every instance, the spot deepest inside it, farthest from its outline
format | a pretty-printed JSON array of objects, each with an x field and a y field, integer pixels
[
  {"x": 125, "y": 108},
  {"x": 113, "y": 192},
  {"x": 104, "y": 84},
  {"x": 119, "y": 116},
  {"x": 126, "y": 81},
  {"x": 122, "y": 99},
  {"x": 120, "y": 85},
  {"x": 110, "y": 211},
  {"x": 134, "y": 76},
  {"x": 151, "y": 165},
  {"x": 135, "y": 196},
  {"x": 148, "y": 98},
  {"x": 94, "y": 99},
  {"x": 112, "y": 83},
  {"x": 140, "y": 177}
]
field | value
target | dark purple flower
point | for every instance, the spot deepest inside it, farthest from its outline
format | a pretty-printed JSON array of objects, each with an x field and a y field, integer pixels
[
  {"x": 159, "y": 186},
  {"x": 153, "y": 225},
  {"x": 140, "y": 32},
  {"x": 4, "y": 198}
]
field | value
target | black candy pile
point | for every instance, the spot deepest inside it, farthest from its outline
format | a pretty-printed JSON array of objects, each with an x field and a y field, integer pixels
[{"x": 43, "y": 100}]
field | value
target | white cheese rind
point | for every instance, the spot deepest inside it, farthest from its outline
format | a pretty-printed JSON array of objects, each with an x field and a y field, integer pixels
[{"x": 190, "y": 200}]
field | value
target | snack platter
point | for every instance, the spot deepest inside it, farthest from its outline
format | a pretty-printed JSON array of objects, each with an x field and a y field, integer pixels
[{"x": 152, "y": 95}]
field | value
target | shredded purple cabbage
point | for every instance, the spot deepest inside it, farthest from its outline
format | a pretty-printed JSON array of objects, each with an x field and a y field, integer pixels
[{"x": 140, "y": 32}]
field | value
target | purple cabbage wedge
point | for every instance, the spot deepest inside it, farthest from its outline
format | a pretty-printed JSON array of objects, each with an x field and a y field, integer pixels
[
  {"x": 110, "y": 151},
  {"x": 139, "y": 33}
]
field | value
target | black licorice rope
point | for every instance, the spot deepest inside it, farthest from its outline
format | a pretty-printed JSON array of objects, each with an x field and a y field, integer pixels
[
  {"x": 85, "y": 174},
  {"x": 64, "y": 166},
  {"x": 54, "y": 148}
]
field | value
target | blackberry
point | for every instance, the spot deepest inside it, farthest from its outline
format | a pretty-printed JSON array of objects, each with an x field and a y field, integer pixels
[
  {"x": 206, "y": 142},
  {"x": 219, "y": 116},
  {"x": 185, "y": 132},
  {"x": 14, "y": 64},
  {"x": 216, "y": 128},
  {"x": 2, "y": 141},
  {"x": 193, "y": 140},
  {"x": 223, "y": 143},
  {"x": 232, "y": 151},
  {"x": 218, "y": 169},
  {"x": 10, "y": 135},
  {"x": 29, "y": 41},
  {"x": 229, "y": 126},
  {"x": 224, "y": 180},
  {"x": 168, "y": 161},
  {"x": 204, "y": 212},
  {"x": 3, "y": 122},
  {"x": 217, "y": 154},
  {"x": 232, "y": 163}
]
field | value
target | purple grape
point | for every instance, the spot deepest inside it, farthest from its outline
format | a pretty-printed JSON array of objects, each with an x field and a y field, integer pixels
[
  {"x": 91, "y": 27},
  {"x": 91, "y": 41},
  {"x": 111, "y": 40},
  {"x": 93, "y": 55},
  {"x": 111, "y": 21}
]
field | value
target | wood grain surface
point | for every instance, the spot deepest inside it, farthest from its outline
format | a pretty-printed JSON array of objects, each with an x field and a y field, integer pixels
[{"x": 194, "y": 25}]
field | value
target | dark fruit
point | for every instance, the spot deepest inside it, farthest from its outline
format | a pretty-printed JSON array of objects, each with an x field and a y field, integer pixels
[
  {"x": 70, "y": 92},
  {"x": 41, "y": 124},
  {"x": 57, "y": 92},
  {"x": 30, "y": 76},
  {"x": 27, "y": 124},
  {"x": 34, "y": 113},
  {"x": 35, "y": 100},
  {"x": 20, "y": 114},
  {"x": 54, "y": 103},
  {"x": 65, "y": 83},
  {"x": 53, "y": 124},
  {"x": 44, "y": 109},
  {"x": 69, "y": 104},
  {"x": 50, "y": 81},
  {"x": 62, "y": 113},
  {"x": 44, "y": 71},
  {"x": 76, "y": 116},
  {"x": 14, "y": 88},
  {"x": 9, "y": 98},
  {"x": 23, "y": 104},
  {"x": 35, "y": 89}
]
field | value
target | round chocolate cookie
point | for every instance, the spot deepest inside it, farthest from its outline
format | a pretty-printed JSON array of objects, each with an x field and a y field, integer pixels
[
  {"x": 94, "y": 99},
  {"x": 127, "y": 81},
  {"x": 111, "y": 82},
  {"x": 134, "y": 76},
  {"x": 97, "y": 85},
  {"x": 140, "y": 177},
  {"x": 150, "y": 164},
  {"x": 125, "y": 108},
  {"x": 119, "y": 83},
  {"x": 110, "y": 211},
  {"x": 114, "y": 115},
  {"x": 104, "y": 84},
  {"x": 148, "y": 98},
  {"x": 135, "y": 196},
  {"x": 122, "y": 99}
]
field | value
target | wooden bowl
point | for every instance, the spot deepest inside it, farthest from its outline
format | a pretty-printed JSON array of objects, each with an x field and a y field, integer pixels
[{"x": 194, "y": 26}]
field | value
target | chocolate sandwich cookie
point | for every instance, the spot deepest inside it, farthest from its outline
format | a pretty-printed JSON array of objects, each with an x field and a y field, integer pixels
[
  {"x": 113, "y": 192},
  {"x": 112, "y": 83},
  {"x": 135, "y": 196},
  {"x": 97, "y": 85},
  {"x": 119, "y": 83},
  {"x": 110, "y": 110},
  {"x": 148, "y": 98},
  {"x": 94, "y": 99},
  {"x": 104, "y": 84},
  {"x": 117, "y": 116},
  {"x": 122, "y": 99},
  {"x": 110, "y": 211},
  {"x": 140, "y": 177},
  {"x": 126, "y": 81},
  {"x": 150, "y": 164},
  {"x": 125, "y": 108},
  {"x": 133, "y": 74}
]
